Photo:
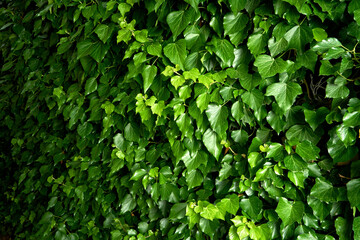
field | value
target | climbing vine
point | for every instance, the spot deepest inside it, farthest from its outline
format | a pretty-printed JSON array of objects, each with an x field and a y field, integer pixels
[{"x": 194, "y": 119}]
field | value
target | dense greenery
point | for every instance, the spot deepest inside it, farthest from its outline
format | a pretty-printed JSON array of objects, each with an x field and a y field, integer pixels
[{"x": 195, "y": 119}]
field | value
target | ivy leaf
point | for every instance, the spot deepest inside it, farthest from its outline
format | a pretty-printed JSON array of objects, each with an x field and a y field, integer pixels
[
  {"x": 230, "y": 205},
  {"x": 208, "y": 226},
  {"x": 256, "y": 44},
  {"x": 149, "y": 72},
  {"x": 343, "y": 228},
  {"x": 337, "y": 149},
  {"x": 212, "y": 143},
  {"x": 91, "y": 85},
  {"x": 278, "y": 46},
  {"x": 234, "y": 23},
  {"x": 352, "y": 119},
  {"x": 324, "y": 191},
  {"x": 202, "y": 101},
  {"x": 99, "y": 51},
  {"x": 154, "y": 49},
  {"x": 211, "y": 212},
  {"x": 178, "y": 211},
  {"x": 294, "y": 163},
  {"x": 185, "y": 125},
  {"x": 225, "y": 51},
  {"x": 319, "y": 34},
  {"x": 194, "y": 178},
  {"x": 252, "y": 207},
  {"x": 285, "y": 93},
  {"x": 194, "y": 162},
  {"x": 104, "y": 32},
  {"x": 177, "y": 22},
  {"x": 253, "y": 98},
  {"x": 299, "y": 133},
  {"x": 85, "y": 48},
  {"x": 127, "y": 204},
  {"x": 307, "y": 150},
  {"x": 315, "y": 118},
  {"x": 326, "y": 44},
  {"x": 177, "y": 81},
  {"x": 290, "y": 212},
  {"x": 353, "y": 192},
  {"x": 237, "y": 5},
  {"x": 269, "y": 66},
  {"x": 298, "y": 37},
  {"x": 217, "y": 116},
  {"x": 307, "y": 60},
  {"x": 356, "y": 228},
  {"x": 176, "y": 52},
  {"x": 346, "y": 134},
  {"x": 320, "y": 209}
]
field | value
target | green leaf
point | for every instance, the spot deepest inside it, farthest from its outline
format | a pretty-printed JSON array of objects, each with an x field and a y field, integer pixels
[
  {"x": 177, "y": 22},
  {"x": 321, "y": 209},
  {"x": 307, "y": 60},
  {"x": 253, "y": 98},
  {"x": 177, "y": 81},
  {"x": 127, "y": 204},
  {"x": 315, "y": 118},
  {"x": 308, "y": 151},
  {"x": 84, "y": 129},
  {"x": 326, "y": 44},
  {"x": 285, "y": 93},
  {"x": 324, "y": 191},
  {"x": 91, "y": 85},
  {"x": 141, "y": 36},
  {"x": 185, "y": 125},
  {"x": 256, "y": 43},
  {"x": 351, "y": 119},
  {"x": 343, "y": 228},
  {"x": 124, "y": 35},
  {"x": 269, "y": 66},
  {"x": 212, "y": 143},
  {"x": 299, "y": 133},
  {"x": 178, "y": 211},
  {"x": 211, "y": 212},
  {"x": 233, "y": 23},
  {"x": 252, "y": 207},
  {"x": 176, "y": 52},
  {"x": 85, "y": 48},
  {"x": 278, "y": 46},
  {"x": 99, "y": 52},
  {"x": 290, "y": 212},
  {"x": 225, "y": 51},
  {"x": 298, "y": 37},
  {"x": 337, "y": 149},
  {"x": 154, "y": 49},
  {"x": 202, "y": 101},
  {"x": 356, "y": 228},
  {"x": 103, "y": 32},
  {"x": 194, "y": 162},
  {"x": 194, "y": 178},
  {"x": 230, "y": 205},
  {"x": 319, "y": 34},
  {"x": 237, "y": 5},
  {"x": 149, "y": 73},
  {"x": 207, "y": 226},
  {"x": 294, "y": 163},
  {"x": 217, "y": 116},
  {"x": 346, "y": 134},
  {"x": 46, "y": 218},
  {"x": 138, "y": 174},
  {"x": 124, "y": 8},
  {"x": 353, "y": 192},
  {"x": 357, "y": 16}
]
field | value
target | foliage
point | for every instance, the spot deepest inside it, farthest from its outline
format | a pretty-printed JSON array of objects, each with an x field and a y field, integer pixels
[{"x": 195, "y": 119}]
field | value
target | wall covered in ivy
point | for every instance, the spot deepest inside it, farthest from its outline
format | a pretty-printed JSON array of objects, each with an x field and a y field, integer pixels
[{"x": 195, "y": 119}]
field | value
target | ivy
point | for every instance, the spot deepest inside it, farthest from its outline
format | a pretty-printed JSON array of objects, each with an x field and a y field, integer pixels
[{"x": 194, "y": 119}]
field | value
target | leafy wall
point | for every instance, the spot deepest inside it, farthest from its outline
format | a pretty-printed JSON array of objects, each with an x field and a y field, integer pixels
[{"x": 195, "y": 119}]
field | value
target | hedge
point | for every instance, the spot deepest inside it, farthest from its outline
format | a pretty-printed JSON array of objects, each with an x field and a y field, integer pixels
[{"x": 194, "y": 119}]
